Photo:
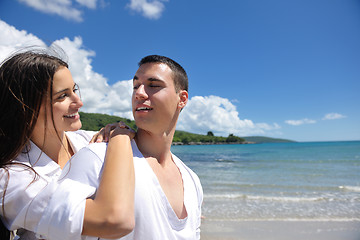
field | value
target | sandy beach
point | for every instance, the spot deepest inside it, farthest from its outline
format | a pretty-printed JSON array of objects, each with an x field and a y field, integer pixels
[{"x": 280, "y": 230}]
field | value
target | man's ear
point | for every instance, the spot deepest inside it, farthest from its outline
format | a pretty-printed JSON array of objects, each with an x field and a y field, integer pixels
[{"x": 184, "y": 96}]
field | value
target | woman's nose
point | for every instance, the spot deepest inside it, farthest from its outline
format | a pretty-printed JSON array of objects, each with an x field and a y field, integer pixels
[{"x": 77, "y": 101}]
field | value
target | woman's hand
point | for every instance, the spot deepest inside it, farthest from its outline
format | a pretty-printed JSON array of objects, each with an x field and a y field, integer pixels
[
  {"x": 104, "y": 134},
  {"x": 121, "y": 129}
]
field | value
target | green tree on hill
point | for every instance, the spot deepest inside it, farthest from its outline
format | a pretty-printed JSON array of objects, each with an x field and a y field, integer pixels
[
  {"x": 210, "y": 133},
  {"x": 232, "y": 139},
  {"x": 95, "y": 121}
]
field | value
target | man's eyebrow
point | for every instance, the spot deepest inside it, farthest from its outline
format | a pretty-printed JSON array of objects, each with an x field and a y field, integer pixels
[
  {"x": 154, "y": 80},
  {"x": 149, "y": 79}
]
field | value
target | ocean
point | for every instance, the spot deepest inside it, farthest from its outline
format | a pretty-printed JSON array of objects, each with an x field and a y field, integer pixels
[{"x": 306, "y": 181}]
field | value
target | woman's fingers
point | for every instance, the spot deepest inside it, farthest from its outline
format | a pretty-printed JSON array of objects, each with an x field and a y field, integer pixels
[
  {"x": 106, "y": 132},
  {"x": 98, "y": 137}
]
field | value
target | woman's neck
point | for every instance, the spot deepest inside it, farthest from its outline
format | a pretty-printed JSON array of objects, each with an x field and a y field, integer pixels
[{"x": 57, "y": 147}]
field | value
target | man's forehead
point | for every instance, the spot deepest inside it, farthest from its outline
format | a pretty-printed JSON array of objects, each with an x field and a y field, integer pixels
[{"x": 153, "y": 70}]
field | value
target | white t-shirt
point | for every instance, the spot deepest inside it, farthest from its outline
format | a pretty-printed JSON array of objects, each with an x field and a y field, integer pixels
[
  {"x": 154, "y": 216},
  {"x": 27, "y": 195}
]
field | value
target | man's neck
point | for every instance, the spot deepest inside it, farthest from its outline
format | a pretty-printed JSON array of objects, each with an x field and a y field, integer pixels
[{"x": 154, "y": 145}]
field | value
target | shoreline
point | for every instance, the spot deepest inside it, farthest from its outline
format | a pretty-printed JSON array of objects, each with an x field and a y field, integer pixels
[
  {"x": 279, "y": 230},
  {"x": 209, "y": 143}
]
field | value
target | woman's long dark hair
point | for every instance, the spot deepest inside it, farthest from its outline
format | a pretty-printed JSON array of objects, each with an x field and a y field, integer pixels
[{"x": 26, "y": 80}]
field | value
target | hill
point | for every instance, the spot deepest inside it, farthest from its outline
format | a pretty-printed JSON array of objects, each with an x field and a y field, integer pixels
[
  {"x": 259, "y": 139},
  {"x": 95, "y": 121},
  {"x": 182, "y": 137}
]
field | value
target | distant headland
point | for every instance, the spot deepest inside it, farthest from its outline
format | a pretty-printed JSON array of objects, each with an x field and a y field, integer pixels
[{"x": 95, "y": 121}]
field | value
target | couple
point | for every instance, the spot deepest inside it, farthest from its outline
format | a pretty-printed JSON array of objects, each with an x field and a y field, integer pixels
[{"x": 166, "y": 200}]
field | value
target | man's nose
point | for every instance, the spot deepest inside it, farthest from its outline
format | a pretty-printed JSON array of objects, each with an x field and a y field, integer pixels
[{"x": 140, "y": 92}]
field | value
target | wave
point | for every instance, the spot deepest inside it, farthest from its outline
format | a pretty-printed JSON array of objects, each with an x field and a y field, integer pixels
[
  {"x": 229, "y": 196},
  {"x": 287, "y": 199},
  {"x": 352, "y": 219},
  {"x": 350, "y": 188},
  {"x": 224, "y": 160},
  {"x": 264, "y": 198}
]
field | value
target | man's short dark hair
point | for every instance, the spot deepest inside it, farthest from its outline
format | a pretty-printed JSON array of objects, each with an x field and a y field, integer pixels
[{"x": 180, "y": 76}]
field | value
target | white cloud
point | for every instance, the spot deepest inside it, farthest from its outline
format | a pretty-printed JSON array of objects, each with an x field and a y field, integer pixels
[
  {"x": 300, "y": 122},
  {"x": 63, "y": 8},
  {"x": 152, "y": 9},
  {"x": 329, "y": 116},
  {"x": 219, "y": 115},
  {"x": 12, "y": 40},
  {"x": 202, "y": 114},
  {"x": 72, "y": 9},
  {"x": 98, "y": 96},
  {"x": 333, "y": 116},
  {"x": 87, "y": 3}
]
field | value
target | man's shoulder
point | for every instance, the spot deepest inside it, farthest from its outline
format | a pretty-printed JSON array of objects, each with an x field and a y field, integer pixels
[
  {"x": 80, "y": 135},
  {"x": 180, "y": 163},
  {"x": 97, "y": 146},
  {"x": 135, "y": 150},
  {"x": 98, "y": 149}
]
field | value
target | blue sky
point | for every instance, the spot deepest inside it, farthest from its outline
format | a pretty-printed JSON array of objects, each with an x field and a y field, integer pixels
[{"x": 278, "y": 68}]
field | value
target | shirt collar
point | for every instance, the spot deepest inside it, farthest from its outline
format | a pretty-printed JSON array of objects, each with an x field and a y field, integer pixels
[{"x": 40, "y": 162}]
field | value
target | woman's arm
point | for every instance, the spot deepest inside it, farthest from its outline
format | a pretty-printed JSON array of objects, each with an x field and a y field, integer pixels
[
  {"x": 95, "y": 193},
  {"x": 111, "y": 213}
]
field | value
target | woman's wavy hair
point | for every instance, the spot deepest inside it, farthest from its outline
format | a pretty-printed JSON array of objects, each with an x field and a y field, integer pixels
[{"x": 26, "y": 81}]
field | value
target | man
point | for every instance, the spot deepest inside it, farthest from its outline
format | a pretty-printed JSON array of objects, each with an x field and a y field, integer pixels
[
  {"x": 168, "y": 195},
  {"x": 167, "y": 199}
]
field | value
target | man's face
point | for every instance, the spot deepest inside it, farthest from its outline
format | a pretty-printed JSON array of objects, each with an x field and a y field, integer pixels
[{"x": 155, "y": 103}]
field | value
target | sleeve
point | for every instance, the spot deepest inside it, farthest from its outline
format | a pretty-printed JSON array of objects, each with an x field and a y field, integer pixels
[
  {"x": 64, "y": 215},
  {"x": 80, "y": 139},
  {"x": 25, "y": 198},
  {"x": 87, "y": 135}
]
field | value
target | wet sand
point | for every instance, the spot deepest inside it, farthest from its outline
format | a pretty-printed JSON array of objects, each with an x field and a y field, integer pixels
[{"x": 280, "y": 230}]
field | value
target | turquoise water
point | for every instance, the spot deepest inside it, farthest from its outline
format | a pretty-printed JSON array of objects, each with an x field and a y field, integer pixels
[{"x": 278, "y": 181}]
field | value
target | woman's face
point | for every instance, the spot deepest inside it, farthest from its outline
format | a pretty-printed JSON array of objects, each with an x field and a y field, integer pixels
[{"x": 65, "y": 104}]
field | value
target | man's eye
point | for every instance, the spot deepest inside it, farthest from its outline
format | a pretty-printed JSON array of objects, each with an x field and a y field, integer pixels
[{"x": 154, "y": 85}]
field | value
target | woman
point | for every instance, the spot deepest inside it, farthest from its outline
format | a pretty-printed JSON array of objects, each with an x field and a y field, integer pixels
[{"x": 39, "y": 106}]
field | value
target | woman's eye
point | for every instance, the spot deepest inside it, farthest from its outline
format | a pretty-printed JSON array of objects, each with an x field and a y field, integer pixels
[{"x": 62, "y": 96}]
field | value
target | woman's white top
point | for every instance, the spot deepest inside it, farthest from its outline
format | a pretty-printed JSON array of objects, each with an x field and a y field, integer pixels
[{"x": 27, "y": 194}]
